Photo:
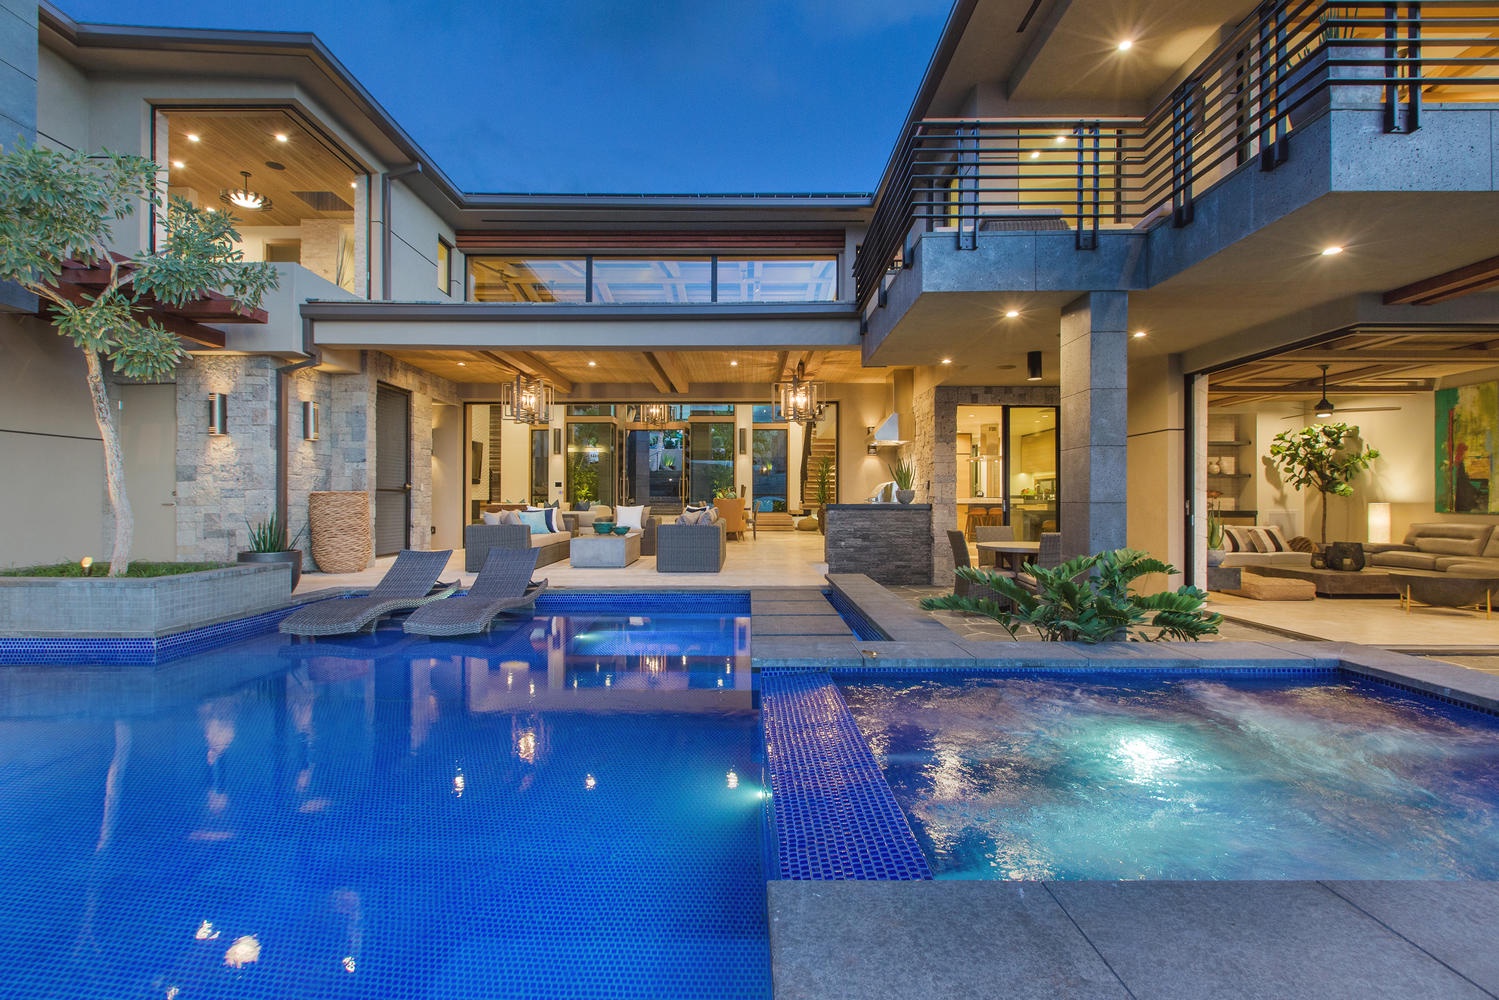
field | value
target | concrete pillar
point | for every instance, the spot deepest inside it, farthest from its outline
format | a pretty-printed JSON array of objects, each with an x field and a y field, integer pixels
[{"x": 1094, "y": 418}]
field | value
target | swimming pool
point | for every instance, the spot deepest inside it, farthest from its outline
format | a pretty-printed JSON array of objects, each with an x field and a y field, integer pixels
[
  {"x": 568, "y": 807},
  {"x": 1030, "y": 777}
]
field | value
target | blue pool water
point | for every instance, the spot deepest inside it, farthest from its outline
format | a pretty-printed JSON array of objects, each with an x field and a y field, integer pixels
[
  {"x": 1037, "y": 778},
  {"x": 568, "y": 807}
]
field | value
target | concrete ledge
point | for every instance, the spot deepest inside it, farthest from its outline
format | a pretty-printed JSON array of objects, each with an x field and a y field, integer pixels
[
  {"x": 889, "y": 613},
  {"x": 46, "y": 607}
]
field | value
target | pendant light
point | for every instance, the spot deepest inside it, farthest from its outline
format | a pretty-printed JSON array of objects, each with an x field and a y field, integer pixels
[
  {"x": 243, "y": 197},
  {"x": 1324, "y": 408},
  {"x": 527, "y": 400},
  {"x": 796, "y": 401}
]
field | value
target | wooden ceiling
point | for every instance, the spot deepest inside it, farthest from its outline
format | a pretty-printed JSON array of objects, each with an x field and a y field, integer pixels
[
  {"x": 1361, "y": 362},
  {"x": 666, "y": 372},
  {"x": 313, "y": 180}
]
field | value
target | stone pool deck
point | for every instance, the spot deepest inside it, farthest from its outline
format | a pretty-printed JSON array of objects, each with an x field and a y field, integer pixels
[{"x": 881, "y": 940}]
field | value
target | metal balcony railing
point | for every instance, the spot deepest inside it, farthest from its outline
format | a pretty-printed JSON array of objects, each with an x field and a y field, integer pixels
[{"x": 1241, "y": 104}]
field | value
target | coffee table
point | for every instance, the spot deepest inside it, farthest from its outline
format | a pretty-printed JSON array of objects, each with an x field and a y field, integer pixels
[
  {"x": 595, "y": 551},
  {"x": 1446, "y": 590},
  {"x": 1366, "y": 582}
]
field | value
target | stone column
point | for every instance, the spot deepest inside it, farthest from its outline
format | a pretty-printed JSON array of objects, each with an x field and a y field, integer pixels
[{"x": 1094, "y": 339}]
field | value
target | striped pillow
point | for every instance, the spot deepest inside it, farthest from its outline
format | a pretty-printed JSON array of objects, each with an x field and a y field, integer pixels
[
  {"x": 1236, "y": 539},
  {"x": 1268, "y": 539}
]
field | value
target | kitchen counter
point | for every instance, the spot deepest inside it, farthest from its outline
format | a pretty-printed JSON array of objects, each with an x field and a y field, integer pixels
[{"x": 888, "y": 542}]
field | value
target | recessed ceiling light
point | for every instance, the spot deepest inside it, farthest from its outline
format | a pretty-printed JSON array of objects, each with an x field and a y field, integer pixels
[
  {"x": 733, "y": 364},
  {"x": 947, "y": 361},
  {"x": 281, "y": 137},
  {"x": 1126, "y": 45},
  {"x": 463, "y": 364},
  {"x": 1332, "y": 251},
  {"x": 178, "y": 164},
  {"x": 1035, "y": 154},
  {"x": 593, "y": 364},
  {"x": 210, "y": 208},
  {"x": 1011, "y": 313},
  {"x": 192, "y": 137},
  {"x": 1060, "y": 139},
  {"x": 353, "y": 184},
  {"x": 1139, "y": 334}
]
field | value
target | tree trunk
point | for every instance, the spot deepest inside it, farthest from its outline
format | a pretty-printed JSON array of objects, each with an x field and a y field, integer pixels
[
  {"x": 1324, "y": 518},
  {"x": 114, "y": 466}
]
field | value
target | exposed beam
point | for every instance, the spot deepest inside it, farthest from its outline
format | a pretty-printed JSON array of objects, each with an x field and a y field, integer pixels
[
  {"x": 1447, "y": 285},
  {"x": 529, "y": 363},
  {"x": 204, "y": 336},
  {"x": 672, "y": 368},
  {"x": 1395, "y": 355},
  {"x": 656, "y": 374},
  {"x": 782, "y": 375}
]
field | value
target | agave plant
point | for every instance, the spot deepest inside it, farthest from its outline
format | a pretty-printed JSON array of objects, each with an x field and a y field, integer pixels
[
  {"x": 903, "y": 472},
  {"x": 1088, "y": 599},
  {"x": 270, "y": 535}
]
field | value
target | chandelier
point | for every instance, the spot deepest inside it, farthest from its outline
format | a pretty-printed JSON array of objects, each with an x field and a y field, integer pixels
[
  {"x": 655, "y": 414},
  {"x": 796, "y": 401},
  {"x": 527, "y": 400},
  {"x": 243, "y": 197}
]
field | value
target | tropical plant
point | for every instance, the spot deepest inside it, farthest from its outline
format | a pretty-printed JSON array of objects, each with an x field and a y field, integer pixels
[
  {"x": 269, "y": 535},
  {"x": 1088, "y": 599},
  {"x": 824, "y": 481},
  {"x": 59, "y": 207},
  {"x": 1325, "y": 457},
  {"x": 582, "y": 479},
  {"x": 903, "y": 472},
  {"x": 1215, "y": 529}
]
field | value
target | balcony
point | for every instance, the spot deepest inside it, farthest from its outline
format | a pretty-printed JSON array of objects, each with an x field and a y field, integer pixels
[{"x": 1088, "y": 188}]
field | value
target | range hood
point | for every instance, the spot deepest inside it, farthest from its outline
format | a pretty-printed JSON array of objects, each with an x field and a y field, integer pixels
[{"x": 887, "y": 434}]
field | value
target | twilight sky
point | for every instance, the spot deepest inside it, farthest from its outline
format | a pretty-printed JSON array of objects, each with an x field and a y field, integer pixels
[{"x": 607, "y": 96}]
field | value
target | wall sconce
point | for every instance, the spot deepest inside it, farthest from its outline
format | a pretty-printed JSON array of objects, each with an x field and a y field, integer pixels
[
  {"x": 218, "y": 413},
  {"x": 1379, "y": 522},
  {"x": 310, "y": 420},
  {"x": 1033, "y": 366},
  {"x": 744, "y": 440},
  {"x": 556, "y": 440},
  {"x": 871, "y": 448}
]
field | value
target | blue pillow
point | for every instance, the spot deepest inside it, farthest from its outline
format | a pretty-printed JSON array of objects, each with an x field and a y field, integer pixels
[{"x": 536, "y": 520}]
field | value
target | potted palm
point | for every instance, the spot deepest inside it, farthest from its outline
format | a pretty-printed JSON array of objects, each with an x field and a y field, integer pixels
[
  {"x": 904, "y": 474},
  {"x": 1215, "y": 538},
  {"x": 824, "y": 490},
  {"x": 269, "y": 544}
]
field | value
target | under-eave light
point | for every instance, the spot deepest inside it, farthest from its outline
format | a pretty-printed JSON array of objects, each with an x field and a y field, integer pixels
[
  {"x": 1033, "y": 366},
  {"x": 1011, "y": 313},
  {"x": 1331, "y": 251},
  {"x": 1139, "y": 334},
  {"x": 1126, "y": 44}
]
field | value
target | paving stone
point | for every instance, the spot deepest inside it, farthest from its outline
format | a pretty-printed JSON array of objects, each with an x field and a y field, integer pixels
[
  {"x": 1453, "y": 921},
  {"x": 799, "y": 625}
]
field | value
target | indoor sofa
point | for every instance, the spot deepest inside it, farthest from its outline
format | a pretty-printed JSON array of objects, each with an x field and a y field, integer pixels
[{"x": 1439, "y": 546}]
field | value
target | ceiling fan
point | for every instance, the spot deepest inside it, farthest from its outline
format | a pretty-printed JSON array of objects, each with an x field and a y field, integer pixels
[{"x": 1324, "y": 408}]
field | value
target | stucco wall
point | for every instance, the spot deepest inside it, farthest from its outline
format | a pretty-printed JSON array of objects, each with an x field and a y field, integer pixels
[{"x": 18, "y": 70}]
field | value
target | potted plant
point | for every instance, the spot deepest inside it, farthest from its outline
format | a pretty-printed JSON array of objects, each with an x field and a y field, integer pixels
[
  {"x": 1215, "y": 538},
  {"x": 824, "y": 483},
  {"x": 1326, "y": 457},
  {"x": 904, "y": 474},
  {"x": 269, "y": 544}
]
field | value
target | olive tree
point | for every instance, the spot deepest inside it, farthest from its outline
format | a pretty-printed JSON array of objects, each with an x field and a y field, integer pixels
[
  {"x": 60, "y": 208},
  {"x": 1325, "y": 457}
]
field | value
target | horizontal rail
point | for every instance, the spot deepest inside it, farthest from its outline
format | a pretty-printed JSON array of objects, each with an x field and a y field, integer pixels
[{"x": 1240, "y": 105}]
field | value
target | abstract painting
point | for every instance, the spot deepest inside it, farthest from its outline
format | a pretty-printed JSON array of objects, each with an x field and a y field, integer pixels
[{"x": 1467, "y": 434}]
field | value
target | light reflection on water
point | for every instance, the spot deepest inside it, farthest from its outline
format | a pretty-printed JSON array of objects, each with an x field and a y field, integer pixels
[{"x": 1027, "y": 778}]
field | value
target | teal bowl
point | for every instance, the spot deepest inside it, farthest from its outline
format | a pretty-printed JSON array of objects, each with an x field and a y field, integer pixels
[
  {"x": 621, "y": 529},
  {"x": 603, "y": 527}
]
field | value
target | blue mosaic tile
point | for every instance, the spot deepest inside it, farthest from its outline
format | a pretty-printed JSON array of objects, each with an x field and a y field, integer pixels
[
  {"x": 834, "y": 815},
  {"x": 863, "y": 629},
  {"x": 136, "y": 651},
  {"x": 644, "y": 602},
  {"x": 1131, "y": 669}
]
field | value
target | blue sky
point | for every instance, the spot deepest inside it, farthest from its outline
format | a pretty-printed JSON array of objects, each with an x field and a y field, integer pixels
[{"x": 604, "y": 96}]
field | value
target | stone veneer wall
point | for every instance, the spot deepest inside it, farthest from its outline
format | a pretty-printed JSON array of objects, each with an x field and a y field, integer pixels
[
  {"x": 934, "y": 446},
  {"x": 888, "y": 542},
  {"x": 224, "y": 481}
]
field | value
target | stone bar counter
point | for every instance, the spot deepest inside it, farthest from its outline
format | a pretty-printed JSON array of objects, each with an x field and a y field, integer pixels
[{"x": 888, "y": 542}]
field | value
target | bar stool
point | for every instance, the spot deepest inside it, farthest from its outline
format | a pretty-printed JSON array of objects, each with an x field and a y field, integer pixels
[{"x": 976, "y": 517}]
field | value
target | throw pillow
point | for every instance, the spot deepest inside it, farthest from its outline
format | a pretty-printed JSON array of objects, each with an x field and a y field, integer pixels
[
  {"x": 630, "y": 517},
  {"x": 1236, "y": 539},
  {"x": 1267, "y": 540},
  {"x": 709, "y": 516},
  {"x": 492, "y": 516},
  {"x": 582, "y": 505},
  {"x": 536, "y": 520},
  {"x": 690, "y": 516},
  {"x": 697, "y": 508}
]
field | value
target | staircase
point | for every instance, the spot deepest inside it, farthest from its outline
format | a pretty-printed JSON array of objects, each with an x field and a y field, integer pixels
[{"x": 821, "y": 448}]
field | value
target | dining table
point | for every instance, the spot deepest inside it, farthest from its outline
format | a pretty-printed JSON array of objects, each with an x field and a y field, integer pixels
[{"x": 1012, "y": 552}]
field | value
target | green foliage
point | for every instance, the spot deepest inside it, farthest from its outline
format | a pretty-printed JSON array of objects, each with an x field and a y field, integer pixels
[
  {"x": 903, "y": 472},
  {"x": 824, "y": 481},
  {"x": 270, "y": 535},
  {"x": 1324, "y": 457},
  {"x": 1215, "y": 530},
  {"x": 582, "y": 479},
  {"x": 1088, "y": 599},
  {"x": 137, "y": 569}
]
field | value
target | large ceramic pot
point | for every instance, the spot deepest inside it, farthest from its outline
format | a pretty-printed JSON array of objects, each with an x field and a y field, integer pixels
[
  {"x": 1215, "y": 557},
  {"x": 292, "y": 558},
  {"x": 905, "y": 496}
]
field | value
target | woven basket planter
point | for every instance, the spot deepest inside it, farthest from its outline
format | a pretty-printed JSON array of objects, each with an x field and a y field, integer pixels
[{"x": 340, "y": 527}]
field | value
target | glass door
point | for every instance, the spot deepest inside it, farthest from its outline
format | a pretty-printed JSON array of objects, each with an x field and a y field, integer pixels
[
  {"x": 1032, "y": 460},
  {"x": 710, "y": 465},
  {"x": 655, "y": 467},
  {"x": 590, "y": 462}
]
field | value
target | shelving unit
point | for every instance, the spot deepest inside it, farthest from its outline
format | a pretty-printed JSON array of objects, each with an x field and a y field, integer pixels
[{"x": 1227, "y": 450}]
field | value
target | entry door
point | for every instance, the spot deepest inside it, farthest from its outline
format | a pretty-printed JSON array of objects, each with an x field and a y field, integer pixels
[
  {"x": 148, "y": 437},
  {"x": 656, "y": 467},
  {"x": 392, "y": 470}
]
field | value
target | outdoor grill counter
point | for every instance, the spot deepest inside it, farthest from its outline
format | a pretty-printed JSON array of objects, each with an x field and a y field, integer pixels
[{"x": 888, "y": 542}]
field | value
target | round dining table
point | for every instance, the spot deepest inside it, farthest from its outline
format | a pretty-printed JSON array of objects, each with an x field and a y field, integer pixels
[{"x": 1011, "y": 552}]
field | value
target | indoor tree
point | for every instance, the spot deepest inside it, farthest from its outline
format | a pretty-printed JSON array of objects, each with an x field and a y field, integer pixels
[
  {"x": 1325, "y": 457},
  {"x": 61, "y": 207}
]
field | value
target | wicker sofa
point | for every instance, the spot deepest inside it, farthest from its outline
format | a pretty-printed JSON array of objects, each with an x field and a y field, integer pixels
[
  {"x": 690, "y": 548},
  {"x": 478, "y": 539},
  {"x": 1440, "y": 546}
]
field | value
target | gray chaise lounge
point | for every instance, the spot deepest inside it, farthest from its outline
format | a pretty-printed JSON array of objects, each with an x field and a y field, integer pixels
[
  {"x": 407, "y": 584},
  {"x": 503, "y": 584}
]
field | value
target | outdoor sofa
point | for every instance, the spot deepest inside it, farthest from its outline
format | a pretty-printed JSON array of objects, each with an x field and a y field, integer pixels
[
  {"x": 478, "y": 539},
  {"x": 691, "y": 548}
]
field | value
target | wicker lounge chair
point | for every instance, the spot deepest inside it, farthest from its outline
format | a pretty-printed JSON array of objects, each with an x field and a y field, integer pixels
[
  {"x": 503, "y": 584},
  {"x": 690, "y": 548},
  {"x": 969, "y": 588},
  {"x": 407, "y": 584}
]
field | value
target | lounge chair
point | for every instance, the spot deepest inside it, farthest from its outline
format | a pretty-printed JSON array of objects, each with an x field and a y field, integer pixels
[
  {"x": 503, "y": 584},
  {"x": 407, "y": 584},
  {"x": 970, "y": 588}
]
